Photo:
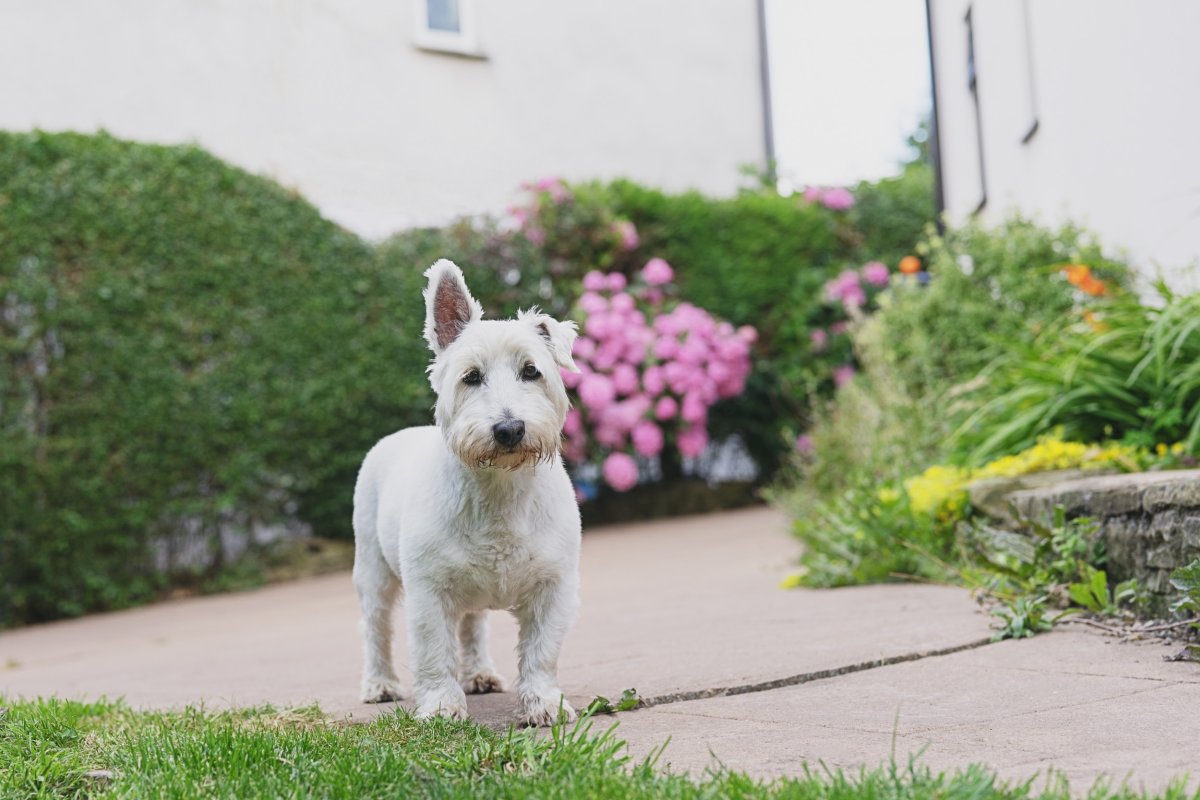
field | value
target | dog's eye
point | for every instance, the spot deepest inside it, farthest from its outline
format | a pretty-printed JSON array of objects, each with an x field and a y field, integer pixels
[
  {"x": 473, "y": 378},
  {"x": 530, "y": 373}
]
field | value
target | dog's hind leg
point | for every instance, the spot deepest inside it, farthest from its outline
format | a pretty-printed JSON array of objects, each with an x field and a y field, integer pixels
[
  {"x": 477, "y": 673},
  {"x": 377, "y": 589}
]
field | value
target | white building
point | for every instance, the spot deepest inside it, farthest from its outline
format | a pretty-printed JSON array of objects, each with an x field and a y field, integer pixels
[
  {"x": 394, "y": 113},
  {"x": 1087, "y": 110}
]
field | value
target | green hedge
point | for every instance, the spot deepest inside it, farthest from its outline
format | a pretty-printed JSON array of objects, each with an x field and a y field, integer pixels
[{"x": 185, "y": 347}]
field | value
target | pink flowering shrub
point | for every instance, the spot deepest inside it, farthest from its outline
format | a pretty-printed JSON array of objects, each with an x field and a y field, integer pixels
[
  {"x": 573, "y": 227},
  {"x": 849, "y": 296},
  {"x": 650, "y": 370},
  {"x": 835, "y": 198}
]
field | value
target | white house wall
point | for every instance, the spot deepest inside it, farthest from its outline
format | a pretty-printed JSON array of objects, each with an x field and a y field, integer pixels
[
  {"x": 332, "y": 98},
  {"x": 1117, "y": 87}
]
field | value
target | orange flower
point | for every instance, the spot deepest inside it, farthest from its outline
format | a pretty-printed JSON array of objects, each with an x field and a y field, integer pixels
[
  {"x": 1077, "y": 274},
  {"x": 910, "y": 265},
  {"x": 1094, "y": 322},
  {"x": 1093, "y": 286}
]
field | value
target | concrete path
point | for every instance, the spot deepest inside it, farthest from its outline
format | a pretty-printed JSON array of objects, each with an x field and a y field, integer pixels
[{"x": 688, "y": 612}]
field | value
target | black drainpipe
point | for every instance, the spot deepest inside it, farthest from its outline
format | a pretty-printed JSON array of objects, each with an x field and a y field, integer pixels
[
  {"x": 935, "y": 143},
  {"x": 764, "y": 68}
]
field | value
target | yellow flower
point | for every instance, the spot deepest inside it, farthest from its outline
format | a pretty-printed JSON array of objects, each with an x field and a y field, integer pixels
[
  {"x": 793, "y": 581},
  {"x": 888, "y": 495},
  {"x": 1161, "y": 448},
  {"x": 937, "y": 488},
  {"x": 1177, "y": 449}
]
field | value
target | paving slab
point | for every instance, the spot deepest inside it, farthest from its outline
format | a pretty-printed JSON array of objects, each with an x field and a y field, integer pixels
[
  {"x": 1075, "y": 701},
  {"x": 685, "y": 606}
]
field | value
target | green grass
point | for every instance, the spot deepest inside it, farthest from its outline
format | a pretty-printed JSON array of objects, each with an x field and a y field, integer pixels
[{"x": 48, "y": 747}]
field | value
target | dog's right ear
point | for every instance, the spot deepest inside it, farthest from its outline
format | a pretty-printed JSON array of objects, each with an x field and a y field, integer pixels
[{"x": 449, "y": 307}]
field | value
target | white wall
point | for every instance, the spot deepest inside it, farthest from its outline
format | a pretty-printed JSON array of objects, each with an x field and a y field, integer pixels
[
  {"x": 1117, "y": 85},
  {"x": 332, "y": 98}
]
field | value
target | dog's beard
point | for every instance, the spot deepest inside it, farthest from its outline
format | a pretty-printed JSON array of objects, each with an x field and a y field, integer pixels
[{"x": 486, "y": 453}]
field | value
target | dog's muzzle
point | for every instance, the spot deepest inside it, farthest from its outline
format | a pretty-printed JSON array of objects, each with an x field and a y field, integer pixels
[{"x": 509, "y": 433}]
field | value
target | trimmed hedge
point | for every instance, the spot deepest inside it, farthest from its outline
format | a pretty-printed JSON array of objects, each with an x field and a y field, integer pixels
[{"x": 184, "y": 349}]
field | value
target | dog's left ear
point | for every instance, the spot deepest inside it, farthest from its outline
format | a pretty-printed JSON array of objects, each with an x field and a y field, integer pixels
[
  {"x": 559, "y": 336},
  {"x": 449, "y": 307}
]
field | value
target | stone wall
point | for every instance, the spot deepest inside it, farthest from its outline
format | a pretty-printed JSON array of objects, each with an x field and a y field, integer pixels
[{"x": 1150, "y": 521}]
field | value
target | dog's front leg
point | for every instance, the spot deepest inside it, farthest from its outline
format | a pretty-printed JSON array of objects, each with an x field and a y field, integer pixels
[
  {"x": 545, "y": 618},
  {"x": 431, "y": 641}
]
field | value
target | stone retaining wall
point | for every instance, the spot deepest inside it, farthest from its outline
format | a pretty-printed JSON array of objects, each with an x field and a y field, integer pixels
[{"x": 1150, "y": 521}]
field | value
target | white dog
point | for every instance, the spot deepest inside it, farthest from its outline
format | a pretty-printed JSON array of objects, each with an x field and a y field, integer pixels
[{"x": 473, "y": 514}]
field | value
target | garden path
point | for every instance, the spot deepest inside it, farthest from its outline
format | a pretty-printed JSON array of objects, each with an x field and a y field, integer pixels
[{"x": 688, "y": 612}]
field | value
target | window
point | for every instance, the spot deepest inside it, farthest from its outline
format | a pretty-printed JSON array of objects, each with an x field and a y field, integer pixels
[{"x": 447, "y": 26}]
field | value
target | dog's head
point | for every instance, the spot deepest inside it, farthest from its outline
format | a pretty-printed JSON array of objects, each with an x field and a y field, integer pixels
[{"x": 500, "y": 398}]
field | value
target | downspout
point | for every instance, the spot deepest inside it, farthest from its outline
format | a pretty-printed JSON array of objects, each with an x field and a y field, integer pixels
[
  {"x": 764, "y": 69},
  {"x": 935, "y": 139}
]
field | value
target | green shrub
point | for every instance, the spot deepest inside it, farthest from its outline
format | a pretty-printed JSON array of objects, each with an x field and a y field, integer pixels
[
  {"x": 1129, "y": 372},
  {"x": 186, "y": 349},
  {"x": 990, "y": 290},
  {"x": 891, "y": 216}
]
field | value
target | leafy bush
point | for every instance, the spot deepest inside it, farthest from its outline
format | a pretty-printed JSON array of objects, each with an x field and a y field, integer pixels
[
  {"x": 892, "y": 215},
  {"x": 188, "y": 351},
  {"x": 1127, "y": 371},
  {"x": 990, "y": 290}
]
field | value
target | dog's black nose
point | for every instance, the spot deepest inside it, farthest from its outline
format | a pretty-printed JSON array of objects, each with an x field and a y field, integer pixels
[{"x": 510, "y": 432}]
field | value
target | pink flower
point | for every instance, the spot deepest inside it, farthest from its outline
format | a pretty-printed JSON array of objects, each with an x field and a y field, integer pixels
[
  {"x": 652, "y": 380},
  {"x": 595, "y": 281},
  {"x": 665, "y": 408},
  {"x": 748, "y": 334},
  {"x": 694, "y": 408},
  {"x": 616, "y": 282},
  {"x": 843, "y": 374},
  {"x": 628, "y": 234},
  {"x": 804, "y": 443},
  {"x": 838, "y": 199},
  {"x": 620, "y": 471},
  {"x": 596, "y": 392},
  {"x": 570, "y": 379},
  {"x": 819, "y": 339},
  {"x": 625, "y": 379},
  {"x": 535, "y": 235},
  {"x": 692, "y": 441},
  {"x": 584, "y": 347},
  {"x": 666, "y": 347},
  {"x": 838, "y": 328},
  {"x": 622, "y": 302},
  {"x": 554, "y": 187},
  {"x": 812, "y": 194},
  {"x": 647, "y": 438},
  {"x": 854, "y": 297},
  {"x": 657, "y": 272},
  {"x": 592, "y": 303},
  {"x": 875, "y": 273},
  {"x": 573, "y": 423}
]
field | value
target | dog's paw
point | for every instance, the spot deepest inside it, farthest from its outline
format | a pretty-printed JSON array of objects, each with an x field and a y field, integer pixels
[
  {"x": 483, "y": 682},
  {"x": 452, "y": 705},
  {"x": 543, "y": 711},
  {"x": 380, "y": 690}
]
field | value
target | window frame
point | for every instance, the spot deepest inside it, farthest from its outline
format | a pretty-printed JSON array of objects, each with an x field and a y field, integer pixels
[{"x": 463, "y": 42}]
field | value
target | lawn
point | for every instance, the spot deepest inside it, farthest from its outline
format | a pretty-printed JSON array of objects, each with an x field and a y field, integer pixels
[{"x": 59, "y": 749}]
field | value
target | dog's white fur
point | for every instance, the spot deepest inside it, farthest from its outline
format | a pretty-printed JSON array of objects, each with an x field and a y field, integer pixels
[{"x": 464, "y": 524}]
